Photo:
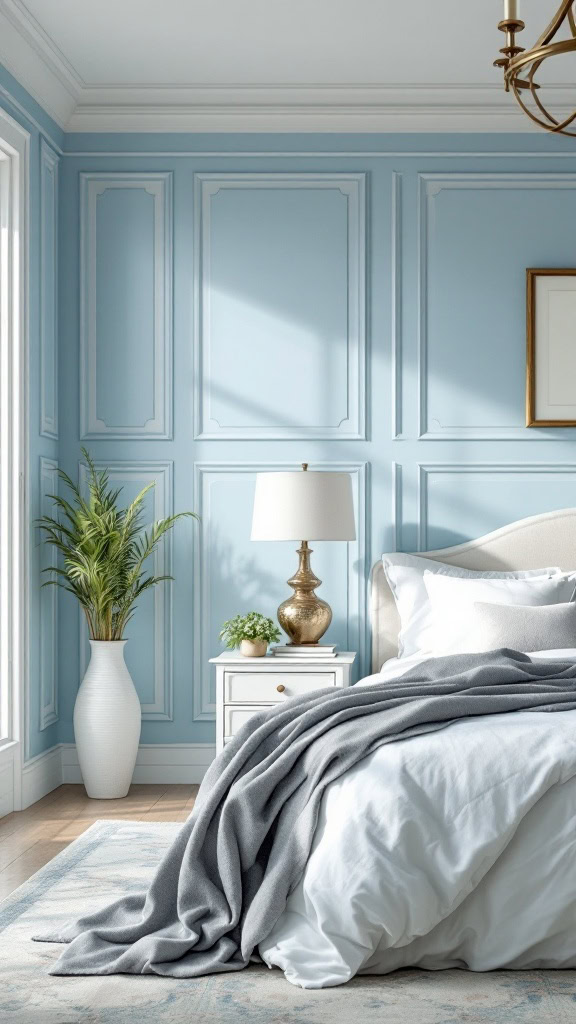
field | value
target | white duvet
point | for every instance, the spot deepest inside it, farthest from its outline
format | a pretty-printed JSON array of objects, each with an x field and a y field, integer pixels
[{"x": 452, "y": 849}]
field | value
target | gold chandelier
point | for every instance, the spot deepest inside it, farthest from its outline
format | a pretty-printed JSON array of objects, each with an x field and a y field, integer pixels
[{"x": 521, "y": 66}]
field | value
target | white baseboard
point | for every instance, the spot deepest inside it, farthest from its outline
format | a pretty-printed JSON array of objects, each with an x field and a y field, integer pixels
[
  {"x": 41, "y": 775},
  {"x": 170, "y": 763}
]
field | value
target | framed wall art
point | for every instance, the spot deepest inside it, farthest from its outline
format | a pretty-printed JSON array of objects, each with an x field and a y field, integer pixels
[{"x": 551, "y": 347}]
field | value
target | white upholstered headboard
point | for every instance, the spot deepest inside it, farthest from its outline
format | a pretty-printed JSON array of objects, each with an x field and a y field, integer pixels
[{"x": 533, "y": 543}]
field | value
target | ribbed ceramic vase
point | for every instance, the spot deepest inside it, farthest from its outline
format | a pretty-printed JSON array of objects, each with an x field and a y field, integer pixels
[{"x": 107, "y": 721}]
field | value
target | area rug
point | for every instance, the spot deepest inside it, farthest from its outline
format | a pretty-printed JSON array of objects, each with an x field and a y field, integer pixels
[{"x": 112, "y": 858}]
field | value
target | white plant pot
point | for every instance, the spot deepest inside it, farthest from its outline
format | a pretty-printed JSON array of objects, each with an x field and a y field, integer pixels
[{"x": 107, "y": 722}]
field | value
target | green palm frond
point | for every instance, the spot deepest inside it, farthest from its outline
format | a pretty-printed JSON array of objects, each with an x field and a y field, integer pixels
[{"x": 103, "y": 550}]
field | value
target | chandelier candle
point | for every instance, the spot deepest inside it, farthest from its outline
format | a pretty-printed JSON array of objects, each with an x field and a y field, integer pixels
[{"x": 521, "y": 66}]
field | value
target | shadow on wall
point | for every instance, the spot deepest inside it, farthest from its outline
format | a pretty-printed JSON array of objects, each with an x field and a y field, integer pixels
[{"x": 242, "y": 583}]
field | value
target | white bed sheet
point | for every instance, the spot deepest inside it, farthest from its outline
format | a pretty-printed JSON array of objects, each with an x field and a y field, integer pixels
[{"x": 455, "y": 848}]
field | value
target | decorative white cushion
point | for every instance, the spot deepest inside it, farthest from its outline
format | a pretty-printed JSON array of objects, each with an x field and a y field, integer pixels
[
  {"x": 453, "y": 601},
  {"x": 521, "y": 627},
  {"x": 405, "y": 575}
]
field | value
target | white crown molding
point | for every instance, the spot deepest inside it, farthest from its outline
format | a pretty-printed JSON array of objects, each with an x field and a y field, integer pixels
[
  {"x": 29, "y": 53},
  {"x": 300, "y": 109},
  {"x": 28, "y": 62}
]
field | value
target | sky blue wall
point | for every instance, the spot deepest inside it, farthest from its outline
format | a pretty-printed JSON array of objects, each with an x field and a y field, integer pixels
[
  {"x": 235, "y": 303},
  {"x": 45, "y": 142}
]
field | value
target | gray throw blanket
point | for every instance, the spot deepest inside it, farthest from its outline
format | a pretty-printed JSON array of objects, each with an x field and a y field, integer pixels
[{"x": 225, "y": 881}]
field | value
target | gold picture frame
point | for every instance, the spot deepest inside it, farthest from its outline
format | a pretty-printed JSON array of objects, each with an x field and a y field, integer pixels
[{"x": 539, "y": 342}]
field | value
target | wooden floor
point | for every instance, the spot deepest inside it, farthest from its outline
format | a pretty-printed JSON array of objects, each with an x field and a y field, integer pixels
[{"x": 30, "y": 838}]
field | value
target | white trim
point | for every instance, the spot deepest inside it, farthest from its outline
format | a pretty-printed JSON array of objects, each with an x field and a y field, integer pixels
[
  {"x": 33, "y": 57},
  {"x": 40, "y": 775},
  {"x": 430, "y": 186},
  {"x": 159, "y": 186},
  {"x": 174, "y": 763},
  {"x": 338, "y": 118},
  {"x": 426, "y": 469},
  {"x": 155, "y": 763},
  {"x": 303, "y": 108},
  {"x": 25, "y": 60},
  {"x": 48, "y": 696},
  {"x": 49, "y": 161},
  {"x": 396, "y": 303},
  {"x": 14, "y": 511},
  {"x": 317, "y": 154},
  {"x": 352, "y": 426}
]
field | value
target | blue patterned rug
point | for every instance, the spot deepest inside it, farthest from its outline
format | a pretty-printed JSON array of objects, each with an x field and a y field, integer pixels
[{"x": 112, "y": 858}]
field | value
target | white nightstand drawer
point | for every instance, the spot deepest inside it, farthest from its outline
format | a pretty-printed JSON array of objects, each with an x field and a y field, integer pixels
[
  {"x": 240, "y": 687},
  {"x": 235, "y": 717},
  {"x": 247, "y": 685}
]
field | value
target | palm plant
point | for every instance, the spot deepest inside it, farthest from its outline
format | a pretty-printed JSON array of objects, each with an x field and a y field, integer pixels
[{"x": 104, "y": 550}]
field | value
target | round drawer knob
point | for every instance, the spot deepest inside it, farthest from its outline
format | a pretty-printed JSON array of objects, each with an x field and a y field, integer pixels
[{"x": 280, "y": 688}]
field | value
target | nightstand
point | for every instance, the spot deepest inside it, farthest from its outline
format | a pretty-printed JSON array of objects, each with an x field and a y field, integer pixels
[{"x": 247, "y": 685}]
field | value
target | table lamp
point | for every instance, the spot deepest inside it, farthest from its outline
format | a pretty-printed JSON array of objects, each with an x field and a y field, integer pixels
[{"x": 293, "y": 505}]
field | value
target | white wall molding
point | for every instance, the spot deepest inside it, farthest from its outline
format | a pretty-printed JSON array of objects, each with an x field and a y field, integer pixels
[
  {"x": 396, "y": 303},
  {"x": 328, "y": 154},
  {"x": 430, "y": 186},
  {"x": 171, "y": 764},
  {"x": 92, "y": 186},
  {"x": 155, "y": 763},
  {"x": 160, "y": 709},
  {"x": 48, "y": 608},
  {"x": 357, "y": 568},
  {"x": 49, "y": 162},
  {"x": 40, "y": 775},
  {"x": 353, "y": 187},
  {"x": 428, "y": 469}
]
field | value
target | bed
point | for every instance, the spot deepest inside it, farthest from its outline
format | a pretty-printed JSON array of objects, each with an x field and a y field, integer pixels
[
  {"x": 423, "y": 818},
  {"x": 456, "y": 848}
]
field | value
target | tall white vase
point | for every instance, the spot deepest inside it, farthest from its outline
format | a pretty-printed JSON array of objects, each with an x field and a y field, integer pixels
[{"x": 107, "y": 722}]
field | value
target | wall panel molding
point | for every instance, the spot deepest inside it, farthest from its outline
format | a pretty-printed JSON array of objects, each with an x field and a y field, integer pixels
[
  {"x": 49, "y": 162},
  {"x": 396, "y": 304},
  {"x": 142, "y": 473},
  {"x": 353, "y": 187},
  {"x": 159, "y": 425},
  {"x": 430, "y": 186},
  {"x": 357, "y": 572},
  {"x": 48, "y": 622},
  {"x": 428, "y": 469}
]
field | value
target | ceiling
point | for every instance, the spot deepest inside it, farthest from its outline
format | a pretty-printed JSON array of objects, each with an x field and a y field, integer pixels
[{"x": 272, "y": 65}]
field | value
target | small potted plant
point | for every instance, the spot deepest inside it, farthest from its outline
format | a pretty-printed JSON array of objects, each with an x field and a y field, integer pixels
[{"x": 251, "y": 633}]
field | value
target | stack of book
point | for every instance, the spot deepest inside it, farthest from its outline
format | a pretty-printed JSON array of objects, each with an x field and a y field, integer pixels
[{"x": 305, "y": 650}]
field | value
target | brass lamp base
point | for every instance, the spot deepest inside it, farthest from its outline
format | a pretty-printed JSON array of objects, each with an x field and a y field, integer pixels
[{"x": 304, "y": 616}]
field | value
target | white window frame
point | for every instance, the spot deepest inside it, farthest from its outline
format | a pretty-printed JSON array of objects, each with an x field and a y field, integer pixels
[{"x": 14, "y": 522}]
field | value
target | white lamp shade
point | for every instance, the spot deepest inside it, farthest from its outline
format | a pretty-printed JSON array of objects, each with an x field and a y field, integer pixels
[{"x": 303, "y": 505}]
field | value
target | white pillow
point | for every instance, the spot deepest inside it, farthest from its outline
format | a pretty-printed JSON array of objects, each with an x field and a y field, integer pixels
[
  {"x": 405, "y": 575},
  {"x": 453, "y": 601},
  {"x": 521, "y": 627}
]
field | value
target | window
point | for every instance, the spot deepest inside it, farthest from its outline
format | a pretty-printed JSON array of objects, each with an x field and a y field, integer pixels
[{"x": 13, "y": 454}]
